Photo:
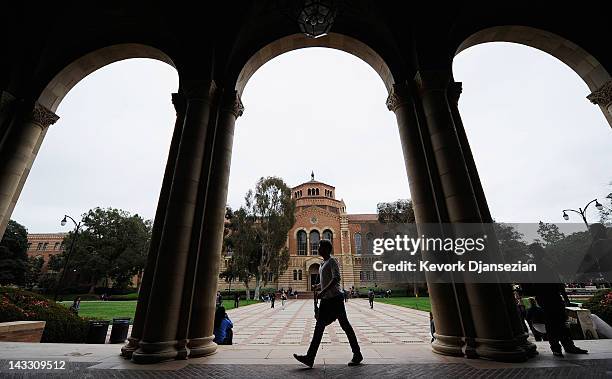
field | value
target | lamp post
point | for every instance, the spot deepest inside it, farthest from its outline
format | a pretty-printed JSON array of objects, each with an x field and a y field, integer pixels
[
  {"x": 77, "y": 226},
  {"x": 582, "y": 212}
]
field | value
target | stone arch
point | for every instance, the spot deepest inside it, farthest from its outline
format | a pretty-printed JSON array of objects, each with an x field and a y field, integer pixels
[
  {"x": 55, "y": 91},
  {"x": 299, "y": 41},
  {"x": 592, "y": 72}
]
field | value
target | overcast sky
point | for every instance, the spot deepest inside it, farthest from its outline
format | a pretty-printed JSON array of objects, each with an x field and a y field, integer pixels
[{"x": 539, "y": 145}]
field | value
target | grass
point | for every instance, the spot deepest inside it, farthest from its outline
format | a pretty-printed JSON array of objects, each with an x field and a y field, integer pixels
[
  {"x": 419, "y": 303},
  {"x": 107, "y": 310}
]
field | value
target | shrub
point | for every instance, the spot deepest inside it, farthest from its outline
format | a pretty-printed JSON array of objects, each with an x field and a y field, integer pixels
[
  {"x": 61, "y": 324},
  {"x": 129, "y": 296},
  {"x": 601, "y": 305}
]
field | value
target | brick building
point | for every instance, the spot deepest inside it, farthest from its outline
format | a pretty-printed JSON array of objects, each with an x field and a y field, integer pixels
[
  {"x": 319, "y": 215},
  {"x": 45, "y": 245}
]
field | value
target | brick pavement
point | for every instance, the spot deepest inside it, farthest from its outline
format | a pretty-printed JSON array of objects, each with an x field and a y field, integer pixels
[{"x": 258, "y": 324}]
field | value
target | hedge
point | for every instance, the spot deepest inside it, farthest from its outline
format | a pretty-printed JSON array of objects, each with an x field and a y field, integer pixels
[
  {"x": 61, "y": 324},
  {"x": 601, "y": 305}
]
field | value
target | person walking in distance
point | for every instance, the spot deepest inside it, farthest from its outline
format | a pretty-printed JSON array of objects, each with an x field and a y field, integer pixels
[
  {"x": 283, "y": 299},
  {"x": 331, "y": 308},
  {"x": 371, "y": 298},
  {"x": 236, "y": 300},
  {"x": 272, "y": 298}
]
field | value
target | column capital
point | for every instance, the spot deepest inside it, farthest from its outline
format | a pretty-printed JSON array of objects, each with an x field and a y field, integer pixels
[
  {"x": 398, "y": 96},
  {"x": 603, "y": 95},
  {"x": 232, "y": 103},
  {"x": 179, "y": 102},
  {"x": 199, "y": 89},
  {"x": 432, "y": 80},
  {"x": 43, "y": 116}
]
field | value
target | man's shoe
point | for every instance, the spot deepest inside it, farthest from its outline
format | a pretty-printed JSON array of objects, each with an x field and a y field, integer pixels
[
  {"x": 356, "y": 361},
  {"x": 305, "y": 359},
  {"x": 575, "y": 350},
  {"x": 557, "y": 353}
]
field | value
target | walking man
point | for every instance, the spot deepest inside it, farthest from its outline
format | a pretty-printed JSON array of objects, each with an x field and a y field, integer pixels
[
  {"x": 272, "y": 298},
  {"x": 371, "y": 298},
  {"x": 236, "y": 300},
  {"x": 331, "y": 308}
]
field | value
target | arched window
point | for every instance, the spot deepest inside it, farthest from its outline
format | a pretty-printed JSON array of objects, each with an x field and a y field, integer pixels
[
  {"x": 301, "y": 242},
  {"x": 317, "y": 191},
  {"x": 328, "y": 235},
  {"x": 357, "y": 243},
  {"x": 314, "y": 242},
  {"x": 309, "y": 191},
  {"x": 369, "y": 242},
  {"x": 295, "y": 274},
  {"x": 299, "y": 274}
]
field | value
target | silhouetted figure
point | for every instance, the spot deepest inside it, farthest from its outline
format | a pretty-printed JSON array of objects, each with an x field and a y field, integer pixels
[
  {"x": 432, "y": 327},
  {"x": 236, "y": 300},
  {"x": 331, "y": 308},
  {"x": 272, "y": 299},
  {"x": 553, "y": 300},
  {"x": 535, "y": 315},
  {"x": 76, "y": 305},
  {"x": 223, "y": 327},
  {"x": 371, "y": 298}
]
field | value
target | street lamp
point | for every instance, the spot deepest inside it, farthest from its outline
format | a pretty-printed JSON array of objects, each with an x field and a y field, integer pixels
[
  {"x": 77, "y": 226},
  {"x": 582, "y": 212}
]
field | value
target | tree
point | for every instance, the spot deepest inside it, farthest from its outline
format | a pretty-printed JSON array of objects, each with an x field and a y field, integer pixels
[
  {"x": 13, "y": 254},
  {"x": 34, "y": 270},
  {"x": 268, "y": 216},
  {"x": 399, "y": 212},
  {"x": 549, "y": 233},
  {"x": 605, "y": 214},
  {"x": 112, "y": 245}
]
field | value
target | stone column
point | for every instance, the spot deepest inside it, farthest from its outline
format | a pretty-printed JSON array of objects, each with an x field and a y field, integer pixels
[
  {"x": 17, "y": 156},
  {"x": 453, "y": 93},
  {"x": 7, "y": 108},
  {"x": 203, "y": 306},
  {"x": 603, "y": 98},
  {"x": 495, "y": 337},
  {"x": 158, "y": 340},
  {"x": 144, "y": 291},
  {"x": 421, "y": 179}
]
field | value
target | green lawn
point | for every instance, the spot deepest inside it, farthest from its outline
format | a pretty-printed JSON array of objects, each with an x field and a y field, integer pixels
[
  {"x": 107, "y": 310},
  {"x": 420, "y": 303}
]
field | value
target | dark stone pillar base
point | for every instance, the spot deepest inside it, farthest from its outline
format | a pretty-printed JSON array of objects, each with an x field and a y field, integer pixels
[
  {"x": 448, "y": 345},
  {"x": 200, "y": 347},
  {"x": 155, "y": 352},
  {"x": 501, "y": 350},
  {"x": 129, "y": 348}
]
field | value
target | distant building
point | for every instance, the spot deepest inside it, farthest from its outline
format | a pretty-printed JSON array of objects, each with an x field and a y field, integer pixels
[
  {"x": 45, "y": 245},
  {"x": 319, "y": 215}
]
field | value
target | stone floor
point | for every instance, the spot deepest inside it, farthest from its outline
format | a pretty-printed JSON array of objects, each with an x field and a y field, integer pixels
[
  {"x": 395, "y": 343},
  {"x": 258, "y": 324}
]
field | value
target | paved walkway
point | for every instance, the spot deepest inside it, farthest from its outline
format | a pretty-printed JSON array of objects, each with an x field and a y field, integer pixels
[
  {"x": 395, "y": 343},
  {"x": 258, "y": 324}
]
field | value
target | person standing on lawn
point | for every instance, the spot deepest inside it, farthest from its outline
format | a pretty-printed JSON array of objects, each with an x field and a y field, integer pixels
[{"x": 331, "y": 308}]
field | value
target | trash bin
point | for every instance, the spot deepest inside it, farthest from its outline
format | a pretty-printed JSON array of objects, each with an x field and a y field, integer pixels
[
  {"x": 97, "y": 331},
  {"x": 120, "y": 329}
]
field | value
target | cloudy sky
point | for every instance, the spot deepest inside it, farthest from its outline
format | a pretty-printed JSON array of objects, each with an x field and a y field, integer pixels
[{"x": 539, "y": 145}]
